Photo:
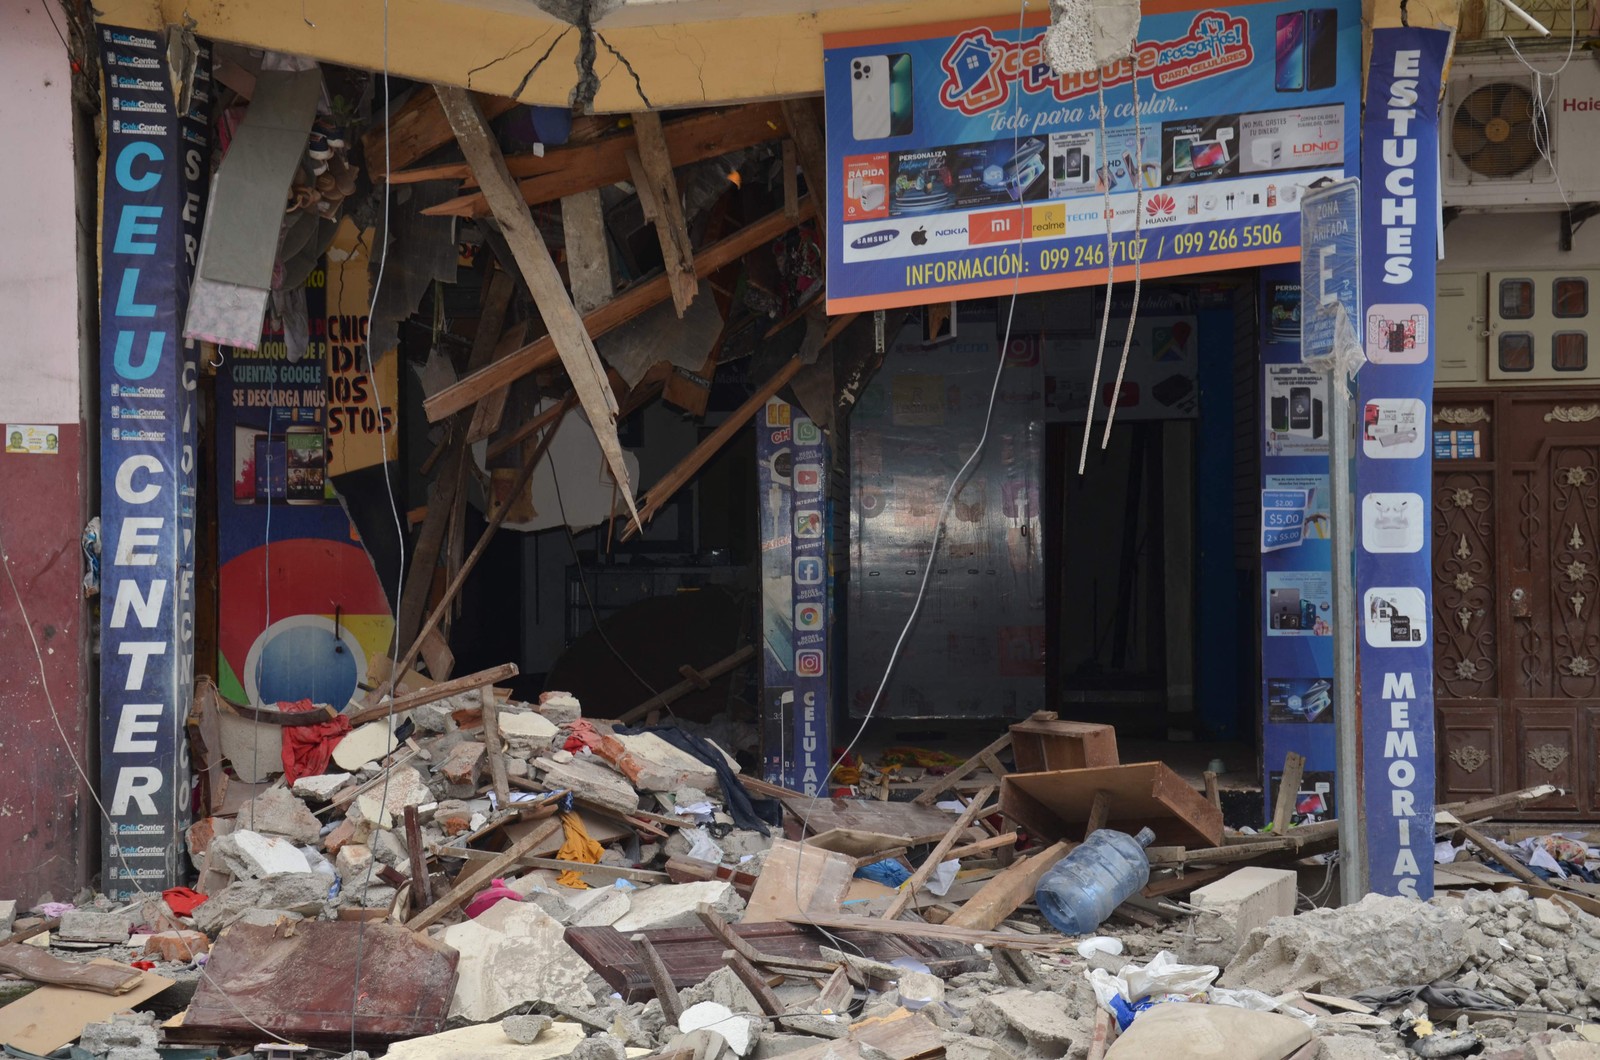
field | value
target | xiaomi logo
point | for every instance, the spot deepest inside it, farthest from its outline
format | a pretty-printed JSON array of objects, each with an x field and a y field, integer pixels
[{"x": 1001, "y": 226}]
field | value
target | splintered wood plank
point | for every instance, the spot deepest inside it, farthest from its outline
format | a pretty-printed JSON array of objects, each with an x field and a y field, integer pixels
[
  {"x": 628, "y": 304},
  {"x": 901, "y": 1035},
  {"x": 796, "y": 879},
  {"x": 1000, "y": 896},
  {"x": 906, "y": 823},
  {"x": 588, "y": 257},
  {"x": 30, "y": 962},
  {"x": 667, "y": 205},
  {"x": 572, "y": 342},
  {"x": 805, "y": 128},
  {"x": 691, "y": 954},
  {"x": 909, "y": 889},
  {"x": 929, "y": 795},
  {"x": 1056, "y": 805},
  {"x": 474, "y": 880},
  {"x": 1294, "y": 765}
]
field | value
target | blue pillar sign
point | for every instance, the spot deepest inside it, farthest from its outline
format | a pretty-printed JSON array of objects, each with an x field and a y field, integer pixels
[
  {"x": 155, "y": 168},
  {"x": 774, "y": 474},
  {"x": 1393, "y": 462},
  {"x": 811, "y": 677}
]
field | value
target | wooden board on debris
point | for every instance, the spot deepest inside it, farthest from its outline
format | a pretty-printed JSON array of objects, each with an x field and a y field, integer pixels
[
  {"x": 53, "y": 1016},
  {"x": 1056, "y": 805},
  {"x": 691, "y": 954},
  {"x": 906, "y": 822}
]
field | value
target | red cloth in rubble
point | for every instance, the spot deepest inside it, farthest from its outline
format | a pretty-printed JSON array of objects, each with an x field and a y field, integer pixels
[{"x": 308, "y": 748}]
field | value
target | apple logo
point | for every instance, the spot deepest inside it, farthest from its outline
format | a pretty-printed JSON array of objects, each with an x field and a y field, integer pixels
[{"x": 919, "y": 237}]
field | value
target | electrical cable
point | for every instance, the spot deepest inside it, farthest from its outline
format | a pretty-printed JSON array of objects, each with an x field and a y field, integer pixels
[
  {"x": 1542, "y": 97},
  {"x": 1138, "y": 254},
  {"x": 1111, "y": 272},
  {"x": 583, "y": 581},
  {"x": 394, "y": 508},
  {"x": 938, "y": 527}
]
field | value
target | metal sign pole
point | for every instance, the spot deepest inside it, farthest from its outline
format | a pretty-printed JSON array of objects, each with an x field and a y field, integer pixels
[{"x": 1346, "y": 689}]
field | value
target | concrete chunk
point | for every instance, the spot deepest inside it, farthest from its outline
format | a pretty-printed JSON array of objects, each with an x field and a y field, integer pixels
[
  {"x": 250, "y": 855},
  {"x": 488, "y": 1041},
  {"x": 295, "y": 892},
  {"x": 512, "y": 955},
  {"x": 676, "y": 905},
  {"x": 665, "y": 768},
  {"x": 322, "y": 787},
  {"x": 277, "y": 811},
  {"x": 590, "y": 781},
  {"x": 368, "y": 743},
  {"x": 1245, "y": 900},
  {"x": 86, "y": 925}
]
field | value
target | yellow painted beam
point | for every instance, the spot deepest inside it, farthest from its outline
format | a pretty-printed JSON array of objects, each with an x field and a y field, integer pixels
[{"x": 490, "y": 50}]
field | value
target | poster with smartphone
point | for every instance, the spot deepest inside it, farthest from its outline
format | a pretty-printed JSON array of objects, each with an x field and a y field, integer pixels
[{"x": 963, "y": 166}]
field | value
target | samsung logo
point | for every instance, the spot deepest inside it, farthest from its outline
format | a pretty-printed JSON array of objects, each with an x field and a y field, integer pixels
[{"x": 875, "y": 239}]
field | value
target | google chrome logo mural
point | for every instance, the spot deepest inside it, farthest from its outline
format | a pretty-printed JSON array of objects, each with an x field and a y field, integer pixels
[{"x": 329, "y": 616}]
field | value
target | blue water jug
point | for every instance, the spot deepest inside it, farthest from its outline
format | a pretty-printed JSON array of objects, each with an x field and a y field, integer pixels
[{"x": 1084, "y": 887}]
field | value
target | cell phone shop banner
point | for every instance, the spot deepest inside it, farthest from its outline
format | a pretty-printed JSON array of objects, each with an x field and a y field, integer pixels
[{"x": 960, "y": 165}]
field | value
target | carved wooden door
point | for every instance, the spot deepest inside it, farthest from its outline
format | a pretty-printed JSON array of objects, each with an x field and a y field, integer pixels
[{"x": 1516, "y": 562}]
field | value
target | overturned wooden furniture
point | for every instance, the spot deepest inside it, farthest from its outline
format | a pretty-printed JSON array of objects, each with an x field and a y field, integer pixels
[
  {"x": 1045, "y": 742},
  {"x": 1057, "y": 804}
]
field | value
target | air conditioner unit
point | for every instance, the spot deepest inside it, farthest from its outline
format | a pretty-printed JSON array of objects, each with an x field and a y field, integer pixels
[{"x": 1497, "y": 146}]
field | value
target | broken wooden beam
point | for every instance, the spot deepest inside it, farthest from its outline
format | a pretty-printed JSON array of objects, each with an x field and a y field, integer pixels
[
  {"x": 908, "y": 890},
  {"x": 572, "y": 342},
  {"x": 1001, "y": 896},
  {"x": 471, "y": 561},
  {"x": 627, "y": 304},
  {"x": 421, "y": 883},
  {"x": 929, "y": 795},
  {"x": 434, "y": 693},
  {"x": 569, "y": 170},
  {"x": 471, "y": 882},
  {"x": 661, "y": 187},
  {"x": 943, "y": 932},
  {"x": 415, "y": 131},
  {"x": 660, "y": 978},
  {"x": 671, "y": 482},
  {"x": 1294, "y": 765},
  {"x": 805, "y": 129},
  {"x": 492, "y": 748},
  {"x": 684, "y": 687},
  {"x": 753, "y": 982},
  {"x": 1056, "y": 804}
]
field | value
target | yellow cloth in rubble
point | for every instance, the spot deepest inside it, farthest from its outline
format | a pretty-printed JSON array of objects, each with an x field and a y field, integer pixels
[{"x": 578, "y": 847}]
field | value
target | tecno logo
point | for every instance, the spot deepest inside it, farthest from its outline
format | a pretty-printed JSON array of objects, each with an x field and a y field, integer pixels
[
  {"x": 875, "y": 239},
  {"x": 1084, "y": 215}
]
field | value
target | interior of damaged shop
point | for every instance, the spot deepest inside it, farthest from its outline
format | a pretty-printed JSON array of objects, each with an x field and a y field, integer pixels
[{"x": 890, "y": 571}]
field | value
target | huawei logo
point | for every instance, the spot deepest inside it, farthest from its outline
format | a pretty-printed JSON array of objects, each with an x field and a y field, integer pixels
[{"x": 1160, "y": 205}]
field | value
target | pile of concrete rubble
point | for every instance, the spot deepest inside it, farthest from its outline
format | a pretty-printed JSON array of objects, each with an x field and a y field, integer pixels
[{"x": 472, "y": 877}]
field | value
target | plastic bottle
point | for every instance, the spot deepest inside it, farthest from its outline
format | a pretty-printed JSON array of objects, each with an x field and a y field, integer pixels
[{"x": 1079, "y": 893}]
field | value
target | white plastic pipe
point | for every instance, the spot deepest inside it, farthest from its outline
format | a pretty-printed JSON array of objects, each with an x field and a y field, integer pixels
[{"x": 1529, "y": 19}]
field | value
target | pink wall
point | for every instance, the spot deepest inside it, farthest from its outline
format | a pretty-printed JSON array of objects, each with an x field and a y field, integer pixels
[{"x": 48, "y": 828}]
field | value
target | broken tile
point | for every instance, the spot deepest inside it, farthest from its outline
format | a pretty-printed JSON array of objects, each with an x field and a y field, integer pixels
[{"x": 735, "y": 1028}]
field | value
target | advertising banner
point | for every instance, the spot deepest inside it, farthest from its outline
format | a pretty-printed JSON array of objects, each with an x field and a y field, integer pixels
[
  {"x": 1393, "y": 459},
  {"x": 811, "y": 578},
  {"x": 961, "y": 165},
  {"x": 1297, "y": 671},
  {"x": 155, "y": 165},
  {"x": 305, "y": 608},
  {"x": 774, "y": 475}
]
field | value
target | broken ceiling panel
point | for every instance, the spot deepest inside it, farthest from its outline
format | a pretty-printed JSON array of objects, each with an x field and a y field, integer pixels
[
  {"x": 421, "y": 249},
  {"x": 658, "y": 335}
]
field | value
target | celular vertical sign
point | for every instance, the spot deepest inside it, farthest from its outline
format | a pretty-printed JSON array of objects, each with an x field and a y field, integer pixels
[{"x": 1393, "y": 455}]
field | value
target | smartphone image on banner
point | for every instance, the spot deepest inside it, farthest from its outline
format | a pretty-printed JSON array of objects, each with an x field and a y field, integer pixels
[
  {"x": 1299, "y": 408},
  {"x": 272, "y": 477},
  {"x": 1322, "y": 47},
  {"x": 880, "y": 96},
  {"x": 1291, "y": 51},
  {"x": 1280, "y": 414}
]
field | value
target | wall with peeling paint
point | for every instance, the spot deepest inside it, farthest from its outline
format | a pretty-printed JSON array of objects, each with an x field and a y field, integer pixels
[{"x": 45, "y": 829}]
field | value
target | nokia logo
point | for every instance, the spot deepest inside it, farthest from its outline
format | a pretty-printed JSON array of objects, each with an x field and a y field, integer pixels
[
  {"x": 875, "y": 239},
  {"x": 950, "y": 232}
]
